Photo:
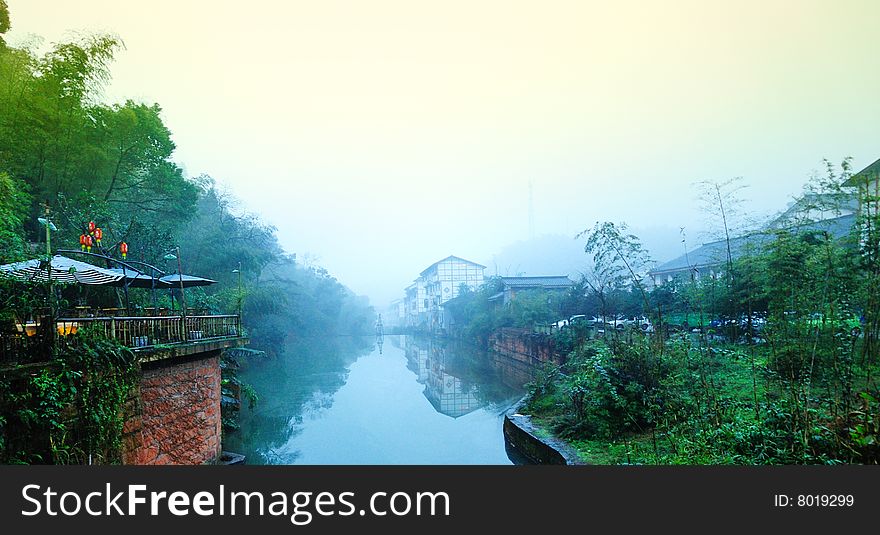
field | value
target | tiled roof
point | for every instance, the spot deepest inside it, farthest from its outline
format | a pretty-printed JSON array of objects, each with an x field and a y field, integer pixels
[
  {"x": 870, "y": 172},
  {"x": 556, "y": 281},
  {"x": 715, "y": 253}
]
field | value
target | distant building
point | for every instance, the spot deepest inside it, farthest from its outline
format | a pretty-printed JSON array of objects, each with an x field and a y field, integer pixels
[
  {"x": 416, "y": 304},
  {"x": 815, "y": 207},
  {"x": 511, "y": 286},
  {"x": 710, "y": 259},
  {"x": 868, "y": 183},
  {"x": 443, "y": 280},
  {"x": 395, "y": 313},
  {"x": 832, "y": 213}
]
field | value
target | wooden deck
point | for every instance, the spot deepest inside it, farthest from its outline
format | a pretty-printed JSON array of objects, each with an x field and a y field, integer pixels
[{"x": 153, "y": 337}]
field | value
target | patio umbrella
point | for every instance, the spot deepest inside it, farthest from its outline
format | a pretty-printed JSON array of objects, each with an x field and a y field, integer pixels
[
  {"x": 178, "y": 281},
  {"x": 136, "y": 279},
  {"x": 188, "y": 280},
  {"x": 64, "y": 270}
]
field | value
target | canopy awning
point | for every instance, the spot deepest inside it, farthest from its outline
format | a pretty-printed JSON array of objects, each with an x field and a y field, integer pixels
[
  {"x": 64, "y": 270},
  {"x": 175, "y": 279},
  {"x": 137, "y": 279}
]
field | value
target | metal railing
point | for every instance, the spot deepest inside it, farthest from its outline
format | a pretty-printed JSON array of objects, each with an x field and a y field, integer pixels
[
  {"x": 133, "y": 332},
  {"x": 137, "y": 332},
  {"x": 21, "y": 349}
]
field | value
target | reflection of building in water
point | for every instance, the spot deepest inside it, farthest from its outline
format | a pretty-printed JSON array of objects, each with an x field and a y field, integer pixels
[
  {"x": 447, "y": 393},
  {"x": 417, "y": 358},
  {"x": 513, "y": 373}
]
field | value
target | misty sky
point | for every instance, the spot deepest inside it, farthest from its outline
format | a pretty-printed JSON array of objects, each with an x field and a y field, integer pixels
[{"x": 380, "y": 136}]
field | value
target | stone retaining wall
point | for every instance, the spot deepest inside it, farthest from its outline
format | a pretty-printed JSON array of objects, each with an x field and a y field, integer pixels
[
  {"x": 524, "y": 437},
  {"x": 174, "y": 416}
]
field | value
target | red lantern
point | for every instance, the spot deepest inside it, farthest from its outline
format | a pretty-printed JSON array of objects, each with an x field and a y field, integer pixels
[
  {"x": 91, "y": 227},
  {"x": 123, "y": 248},
  {"x": 98, "y": 235},
  {"x": 82, "y": 241},
  {"x": 89, "y": 244}
]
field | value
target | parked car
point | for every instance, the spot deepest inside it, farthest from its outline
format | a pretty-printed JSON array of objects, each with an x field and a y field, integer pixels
[
  {"x": 618, "y": 323},
  {"x": 577, "y": 318},
  {"x": 573, "y": 320}
]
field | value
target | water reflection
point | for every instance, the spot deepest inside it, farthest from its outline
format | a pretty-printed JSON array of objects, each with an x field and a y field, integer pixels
[
  {"x": 292, "y": 388},
  {"x": 385, "y": 399},
  {"x": 455, "y": 377}
]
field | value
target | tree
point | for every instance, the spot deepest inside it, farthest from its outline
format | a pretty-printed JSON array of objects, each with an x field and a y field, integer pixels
[
  {"x": 14, "y": 204},
  {"x": 55, "y": 119},
  {"x": 217, "y": 238},
  {"x": 4, "y": 20},
  {"x": 137, "y": 151},
  {"x": 619, "y": 260}
]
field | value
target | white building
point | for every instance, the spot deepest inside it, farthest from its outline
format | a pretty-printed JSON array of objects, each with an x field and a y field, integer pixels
[
  {"x": 395, "y": 314},
  {"x": 415, "y": 304},
  {"x": 443, "y": 281}
]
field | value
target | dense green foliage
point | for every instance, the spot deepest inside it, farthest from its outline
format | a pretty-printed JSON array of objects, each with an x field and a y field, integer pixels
[
  {"x": 781, "y": 367},
  {"x": 65, "y": 153},
  {"x": 13, "y": 211},
  {"x": 61, "y": 147},
  {"x": 476, "y": 316},
  {"x": 70, "y": 411}
]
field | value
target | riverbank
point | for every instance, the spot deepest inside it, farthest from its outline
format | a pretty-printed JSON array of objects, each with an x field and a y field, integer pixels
[{"x": 535, "y": 443}]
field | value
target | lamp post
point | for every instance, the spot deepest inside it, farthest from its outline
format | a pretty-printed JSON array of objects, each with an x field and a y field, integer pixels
[
  {"x": 240, "y": 296},
  {"x": 168, "y": 256},
  {"x": 49, "y": 226},
  {"x": 176, "y": 256}
]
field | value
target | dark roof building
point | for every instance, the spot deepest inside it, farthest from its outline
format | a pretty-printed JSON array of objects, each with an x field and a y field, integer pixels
[
  {"x": 816, "y": 207},
  {"x": 866, "y": 175},
  {"x": 710, "y": 258},
  {"x": 868, "y": 183},
  {"x": 513, "y": 285},
  {"x": 553, "y": 282}
]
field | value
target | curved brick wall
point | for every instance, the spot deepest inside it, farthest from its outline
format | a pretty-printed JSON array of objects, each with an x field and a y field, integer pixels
[{"x": 174, "y": 418}]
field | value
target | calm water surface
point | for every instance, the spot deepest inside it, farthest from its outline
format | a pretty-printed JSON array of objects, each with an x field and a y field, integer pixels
[{"x": 392, "y": 400}]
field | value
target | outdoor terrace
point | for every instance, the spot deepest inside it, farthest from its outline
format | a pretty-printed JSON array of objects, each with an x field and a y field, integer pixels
[{"x": 152, "y": 337}]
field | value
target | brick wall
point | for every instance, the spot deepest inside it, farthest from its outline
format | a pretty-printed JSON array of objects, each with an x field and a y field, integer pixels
[
  {"x": 525, "y": 346},
  {"x": 174, "y": 416}
]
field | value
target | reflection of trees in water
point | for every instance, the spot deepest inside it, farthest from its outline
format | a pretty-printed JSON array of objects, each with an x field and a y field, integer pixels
[
  {"x": 459, "y": 378},
  {"x": 298, "y": 385}
]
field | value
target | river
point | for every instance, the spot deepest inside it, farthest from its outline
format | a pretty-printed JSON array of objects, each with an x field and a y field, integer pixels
[{"x": 367, "y": 400}]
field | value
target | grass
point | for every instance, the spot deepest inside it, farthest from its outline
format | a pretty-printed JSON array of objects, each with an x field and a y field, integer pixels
[
  {"x": 601, "y": 452},
  {"x": 728, "y": 371}
]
